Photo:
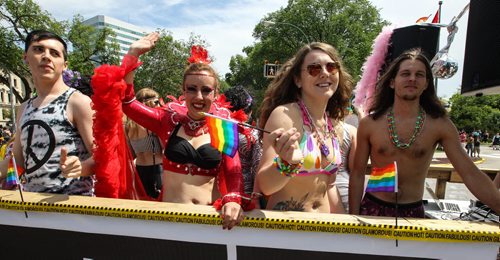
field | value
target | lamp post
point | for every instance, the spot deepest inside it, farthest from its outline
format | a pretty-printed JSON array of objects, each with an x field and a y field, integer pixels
[
  {"x": 12, "y": 102},
  {"x": 269, "y": 23}
]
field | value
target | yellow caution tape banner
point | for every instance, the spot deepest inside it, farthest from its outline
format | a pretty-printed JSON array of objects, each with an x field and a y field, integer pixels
[{"x": 379, "y": 231}]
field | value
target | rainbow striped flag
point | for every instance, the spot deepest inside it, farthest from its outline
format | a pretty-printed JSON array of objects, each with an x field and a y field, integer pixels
[
  {"x": 384, "y": 179},
  {"x": 12, "y": 178},
  {"x": 223, "y": 134}
]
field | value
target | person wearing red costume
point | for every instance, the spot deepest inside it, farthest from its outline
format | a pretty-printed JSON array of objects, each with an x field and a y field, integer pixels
[{"x": 194, "y": 171}]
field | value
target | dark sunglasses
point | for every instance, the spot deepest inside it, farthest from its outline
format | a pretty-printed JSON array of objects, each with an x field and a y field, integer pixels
[
  {"x": 315, "y": 69},
  {"x": 155, "y": 100}
]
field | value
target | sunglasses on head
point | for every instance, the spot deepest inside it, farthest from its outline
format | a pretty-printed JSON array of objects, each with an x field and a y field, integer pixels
[{"x": 315, "y": 69}]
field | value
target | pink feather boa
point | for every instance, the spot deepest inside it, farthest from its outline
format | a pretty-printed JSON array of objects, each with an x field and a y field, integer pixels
[{"x": 366, "y": 86}]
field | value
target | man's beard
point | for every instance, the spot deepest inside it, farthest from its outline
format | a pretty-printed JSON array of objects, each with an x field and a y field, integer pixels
[{"x": 409, "y": 97}]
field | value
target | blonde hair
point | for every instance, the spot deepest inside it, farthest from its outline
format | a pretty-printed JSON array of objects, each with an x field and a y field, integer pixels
[{"x": 146, "y": 96}]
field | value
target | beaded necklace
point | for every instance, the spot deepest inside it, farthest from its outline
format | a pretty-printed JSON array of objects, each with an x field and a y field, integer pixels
[
  {"x": 419, "y": 124},
  {"x": 327, "y": 132}
]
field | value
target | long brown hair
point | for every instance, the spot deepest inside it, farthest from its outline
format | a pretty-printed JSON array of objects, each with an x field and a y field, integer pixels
[
  {"x": 283, "y": 90},
  {"x": 384, "y": 94}
]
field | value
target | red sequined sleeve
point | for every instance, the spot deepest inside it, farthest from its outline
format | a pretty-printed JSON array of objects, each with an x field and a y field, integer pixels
[
  {"x": 230, "y": 184},
  {"x": 154, "y": 119}
]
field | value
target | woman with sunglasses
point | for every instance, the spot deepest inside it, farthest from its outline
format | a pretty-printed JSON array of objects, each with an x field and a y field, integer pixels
[
  {"x": 194, "y": 172},
  {"x": 303, "y": 108},
  {"x": 147, "y": 147}
]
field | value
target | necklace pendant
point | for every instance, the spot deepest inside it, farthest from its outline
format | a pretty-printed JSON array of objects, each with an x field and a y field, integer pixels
[
  {"x": 324, "y": 150},
  {"x": 193, "y": 125}
]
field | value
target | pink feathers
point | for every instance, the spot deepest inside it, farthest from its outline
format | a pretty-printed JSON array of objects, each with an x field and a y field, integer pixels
[{"x": 366, "y": 86}]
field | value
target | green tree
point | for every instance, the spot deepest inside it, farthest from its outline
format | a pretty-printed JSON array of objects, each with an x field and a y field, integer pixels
[
  {"x": 19, "y": 17},
  {"x": 101, "y": 50},
  {"x": 349, "y": 25},
  {"x": 481, "y": 113},
  {"x": 163, "y": 66}
]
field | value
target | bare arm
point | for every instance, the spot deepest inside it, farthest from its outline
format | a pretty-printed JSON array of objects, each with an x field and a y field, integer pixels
[
  {"x": 281, "y": 142},
  {"x": 497, "y": 180},
  {"x": 80, "y": 114},
  {"x": 140, "y": 47},
  {"x": 357, "y": 173},
  {"x": 478, "y": 182}
]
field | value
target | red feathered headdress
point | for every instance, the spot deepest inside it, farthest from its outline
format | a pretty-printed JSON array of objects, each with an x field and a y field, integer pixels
[{"x": 199, "y": 55}]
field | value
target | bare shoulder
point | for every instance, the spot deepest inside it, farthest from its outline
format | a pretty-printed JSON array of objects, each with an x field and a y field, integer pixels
[
  {"x": 80, "y": 102},
  {"x": 285, "y": 116},
  {"x": 443, "y": 126},
  {"x": 367, "y": 123}
]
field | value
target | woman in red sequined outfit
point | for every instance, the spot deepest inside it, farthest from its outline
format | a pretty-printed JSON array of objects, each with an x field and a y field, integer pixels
[{"x": 194, "y": 171}]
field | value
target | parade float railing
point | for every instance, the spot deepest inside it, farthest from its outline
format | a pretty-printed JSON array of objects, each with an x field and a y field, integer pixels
[{"x": 77, "y": 227}]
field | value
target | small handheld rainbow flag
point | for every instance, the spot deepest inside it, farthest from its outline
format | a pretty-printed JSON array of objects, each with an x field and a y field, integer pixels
[
  {"x": 223, "y": 134},
  {"x": 384, "y": 179},
  {"x": 12, "y": 176}
]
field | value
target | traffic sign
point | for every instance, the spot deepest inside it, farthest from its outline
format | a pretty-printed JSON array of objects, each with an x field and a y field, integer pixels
[{"x": 270, "y": 70}]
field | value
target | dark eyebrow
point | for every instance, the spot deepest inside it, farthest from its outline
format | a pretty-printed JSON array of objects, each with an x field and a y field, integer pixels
[{"x": 43, "y": 46}]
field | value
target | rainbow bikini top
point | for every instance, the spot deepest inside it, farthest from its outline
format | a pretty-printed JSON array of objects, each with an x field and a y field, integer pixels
[{"x": 311, "y": 151}]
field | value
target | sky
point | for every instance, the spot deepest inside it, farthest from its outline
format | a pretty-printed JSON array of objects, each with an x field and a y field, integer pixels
[{"x": 227, "y": 26}]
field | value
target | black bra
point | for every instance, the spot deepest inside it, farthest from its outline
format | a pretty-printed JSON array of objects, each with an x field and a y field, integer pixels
[{"x": 179, "y": 150}]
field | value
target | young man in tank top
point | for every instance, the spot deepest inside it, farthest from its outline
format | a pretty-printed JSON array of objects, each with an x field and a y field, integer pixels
[{"x": 54, "y": 129}]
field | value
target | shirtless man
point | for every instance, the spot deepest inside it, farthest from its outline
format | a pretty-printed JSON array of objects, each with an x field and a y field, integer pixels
[{"x": 406, "y": 99}]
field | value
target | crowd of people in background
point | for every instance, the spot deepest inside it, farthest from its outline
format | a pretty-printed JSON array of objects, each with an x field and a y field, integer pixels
[
  {"x": 472, "y": 141},
  {"x": 304, "y": 156}
]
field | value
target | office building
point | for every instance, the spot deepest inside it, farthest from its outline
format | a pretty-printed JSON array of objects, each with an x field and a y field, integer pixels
[
  {"x": 6, "y": 106},
  {"x": 126, "y": 33}
]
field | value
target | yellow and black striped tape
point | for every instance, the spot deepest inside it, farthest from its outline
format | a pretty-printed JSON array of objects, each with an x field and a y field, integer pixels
[{"x": 372, "y": 230}]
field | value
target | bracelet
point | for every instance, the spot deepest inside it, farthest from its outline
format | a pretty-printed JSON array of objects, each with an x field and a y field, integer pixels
[{"x": 285, "y": 168}]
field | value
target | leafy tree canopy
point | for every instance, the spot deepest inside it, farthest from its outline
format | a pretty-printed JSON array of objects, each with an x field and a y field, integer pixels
[
  {"x": 476, "y": 113},
  {"x": 19, "y": 17},
  {"x": 350, "y": 26}
]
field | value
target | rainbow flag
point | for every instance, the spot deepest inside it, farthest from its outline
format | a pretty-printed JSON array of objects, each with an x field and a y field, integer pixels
[
  {"x": 223, "y": 134},
  {"x": 12, "y": 178},
  {"x": 384, "y": 179}
]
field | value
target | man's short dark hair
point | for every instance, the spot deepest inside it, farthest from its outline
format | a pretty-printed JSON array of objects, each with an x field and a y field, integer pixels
[{"x": 38, "y": 35}]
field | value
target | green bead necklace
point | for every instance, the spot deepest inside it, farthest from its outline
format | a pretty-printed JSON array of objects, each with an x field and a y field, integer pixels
[{"x": 419, "y": 124}]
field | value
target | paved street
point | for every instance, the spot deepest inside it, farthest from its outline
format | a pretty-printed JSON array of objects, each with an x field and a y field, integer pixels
[{"x": 458, "y": 191}]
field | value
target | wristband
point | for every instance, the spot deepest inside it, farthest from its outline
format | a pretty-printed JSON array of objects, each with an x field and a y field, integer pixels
[{"x": 285, "y": 168}]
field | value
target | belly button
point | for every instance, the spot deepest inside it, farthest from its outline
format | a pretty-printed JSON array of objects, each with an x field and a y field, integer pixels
[
  {"x": 195, "y": 201},
  {"x": 316, "y": 205}
]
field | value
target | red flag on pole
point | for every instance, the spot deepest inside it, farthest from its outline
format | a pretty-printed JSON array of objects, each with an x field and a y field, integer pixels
[{"x": 436, "y": 17}]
